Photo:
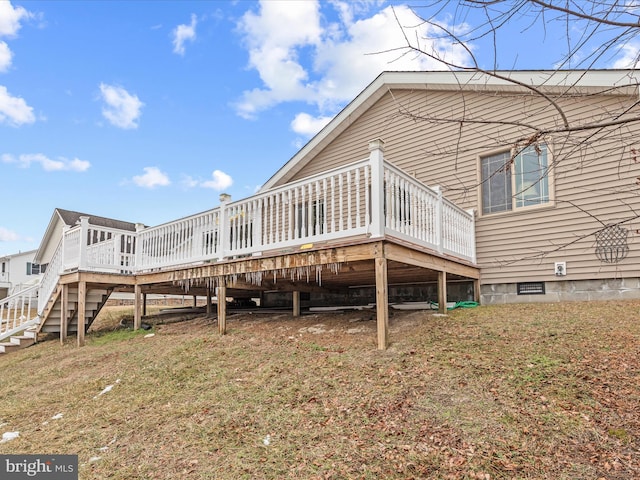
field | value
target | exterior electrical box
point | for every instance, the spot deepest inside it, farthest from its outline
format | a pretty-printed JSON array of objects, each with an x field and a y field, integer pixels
[{"x": 560, "y": 269}]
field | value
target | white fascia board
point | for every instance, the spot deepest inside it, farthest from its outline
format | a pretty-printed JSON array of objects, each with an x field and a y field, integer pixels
[{"x": 534, "y": 78}]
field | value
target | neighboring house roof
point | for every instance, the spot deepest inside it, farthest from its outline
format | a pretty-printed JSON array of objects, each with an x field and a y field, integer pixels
[
  {"x": 71, "y": 218},
  {"x": 626, "y": 80},
  {"x": 19, "y": 254}
]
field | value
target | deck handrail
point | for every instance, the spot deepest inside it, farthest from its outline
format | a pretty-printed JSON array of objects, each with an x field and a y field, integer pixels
[
  {"x": 308, "y": 210},
  {"x": 420, "y": 214},
  {"x": 369, "y": 198},
  {"x": 18, "y": 311},
  {"x": 51, "y": 275}
]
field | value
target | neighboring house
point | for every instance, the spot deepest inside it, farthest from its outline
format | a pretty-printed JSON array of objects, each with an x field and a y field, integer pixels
[
  {"x": 557, "y": 220},
  {"x": 16, "y": 271}
]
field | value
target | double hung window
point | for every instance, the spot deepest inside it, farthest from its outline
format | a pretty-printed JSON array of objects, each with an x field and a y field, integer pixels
[{"x": 512, "y": 182}]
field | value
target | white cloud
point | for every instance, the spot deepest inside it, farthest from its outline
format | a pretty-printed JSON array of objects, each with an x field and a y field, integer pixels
[
  {"x": 189, "y": 181},
  {"x": 305, "y": 124},
  {"x": 8, "y": 235},
  {"x": 328, "y": 64},
  {"x": 183, "y": 33},
  {"x": 121, "y": 108},
  {"x": 152, "y": 178},
  {"x": 47, "y": 164},
  {"x": 273, "y": 38},
  {"x": 5, "y": 57},
  {"x": 629, "y": 56},
  {"x": 10, "y": 18},
  {"x": 14, "y": 110},
  {"x": 219, "y": 181}
]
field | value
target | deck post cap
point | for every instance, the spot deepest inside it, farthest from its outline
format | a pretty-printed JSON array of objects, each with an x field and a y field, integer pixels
[{"x": 377, "y": 144}]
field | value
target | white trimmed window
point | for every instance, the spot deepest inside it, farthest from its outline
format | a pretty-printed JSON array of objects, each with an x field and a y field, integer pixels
[{"x": 508, "y": 186}]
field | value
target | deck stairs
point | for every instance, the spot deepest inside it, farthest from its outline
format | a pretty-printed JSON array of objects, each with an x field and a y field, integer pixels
[
  {"x": 19, "y": 319},
  {"x": 21, "y": 325},
  {"x": 18, "y": 341},
  {"x": 95, "y": 300}
]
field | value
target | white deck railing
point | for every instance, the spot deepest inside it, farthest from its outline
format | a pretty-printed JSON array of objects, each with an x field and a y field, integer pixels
[
  {"x": 421, "y": 215},
  {"x": 18, "y": 312},
  {"x": 323, "y": 208},
  {"x": 90, "y": 248},
  {"x": 369, "y": 198}
]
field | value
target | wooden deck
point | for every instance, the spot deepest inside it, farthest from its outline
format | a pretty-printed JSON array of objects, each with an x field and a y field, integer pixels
[
  {"x": 310, "y": 269},
  {"x": 367, "y": 223}
]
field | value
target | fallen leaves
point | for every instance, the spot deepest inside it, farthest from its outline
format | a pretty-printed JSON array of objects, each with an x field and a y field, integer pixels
[{"x": 531, "y": 391}]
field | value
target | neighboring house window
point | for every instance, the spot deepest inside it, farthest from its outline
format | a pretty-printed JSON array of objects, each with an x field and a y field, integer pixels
[
  {"x": 35, "y": 269},
  {"x": 4, "y": 267},
  {"x": 523, "y": 183}
]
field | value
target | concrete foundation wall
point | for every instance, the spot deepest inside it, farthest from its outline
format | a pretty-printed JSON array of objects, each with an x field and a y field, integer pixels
[{"x": 565, "y": 290}]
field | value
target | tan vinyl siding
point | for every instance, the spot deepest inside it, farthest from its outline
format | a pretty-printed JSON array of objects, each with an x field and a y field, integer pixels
[{"x": 597, "y": 180}]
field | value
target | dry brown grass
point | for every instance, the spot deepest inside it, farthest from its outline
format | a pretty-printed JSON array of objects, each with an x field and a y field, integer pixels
[{"x": 505, "y": 392}]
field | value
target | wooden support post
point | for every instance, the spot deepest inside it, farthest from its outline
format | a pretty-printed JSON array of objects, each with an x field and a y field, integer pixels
[
  {"x": 208, "y": 302},
  {"x": 296, "y": 304},
  {"x": 195, "y": 301},
  {"x": 442, "y": 292},
  {"x": 144, "y": 304},
  {"x": 137, "y": 302},
  {"x": 476, "y": 290},
  {"x": 82, "y": 300},
  {"x": 222, "y": 309},
  {"x": 382, "y": 303},
  {"x": 64, "y": 312}
]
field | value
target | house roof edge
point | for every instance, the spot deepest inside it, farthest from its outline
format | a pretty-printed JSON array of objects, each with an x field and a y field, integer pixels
[{"x": 608, "y": 78}]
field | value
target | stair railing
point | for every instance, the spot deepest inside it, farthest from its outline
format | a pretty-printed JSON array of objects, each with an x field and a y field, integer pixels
[
  {"x": 18, "y": 311},
  {"x": 51, "y": 276}
]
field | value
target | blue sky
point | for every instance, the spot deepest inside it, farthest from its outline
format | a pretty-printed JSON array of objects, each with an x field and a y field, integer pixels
[{"x": 146, "y": 111}]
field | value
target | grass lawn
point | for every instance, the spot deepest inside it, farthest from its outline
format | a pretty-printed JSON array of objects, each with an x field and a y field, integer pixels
[{"x": 496, "y": 392}]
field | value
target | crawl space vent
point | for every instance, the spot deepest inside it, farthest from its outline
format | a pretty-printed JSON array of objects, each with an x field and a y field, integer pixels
[{"x": 531, "y": 288}]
